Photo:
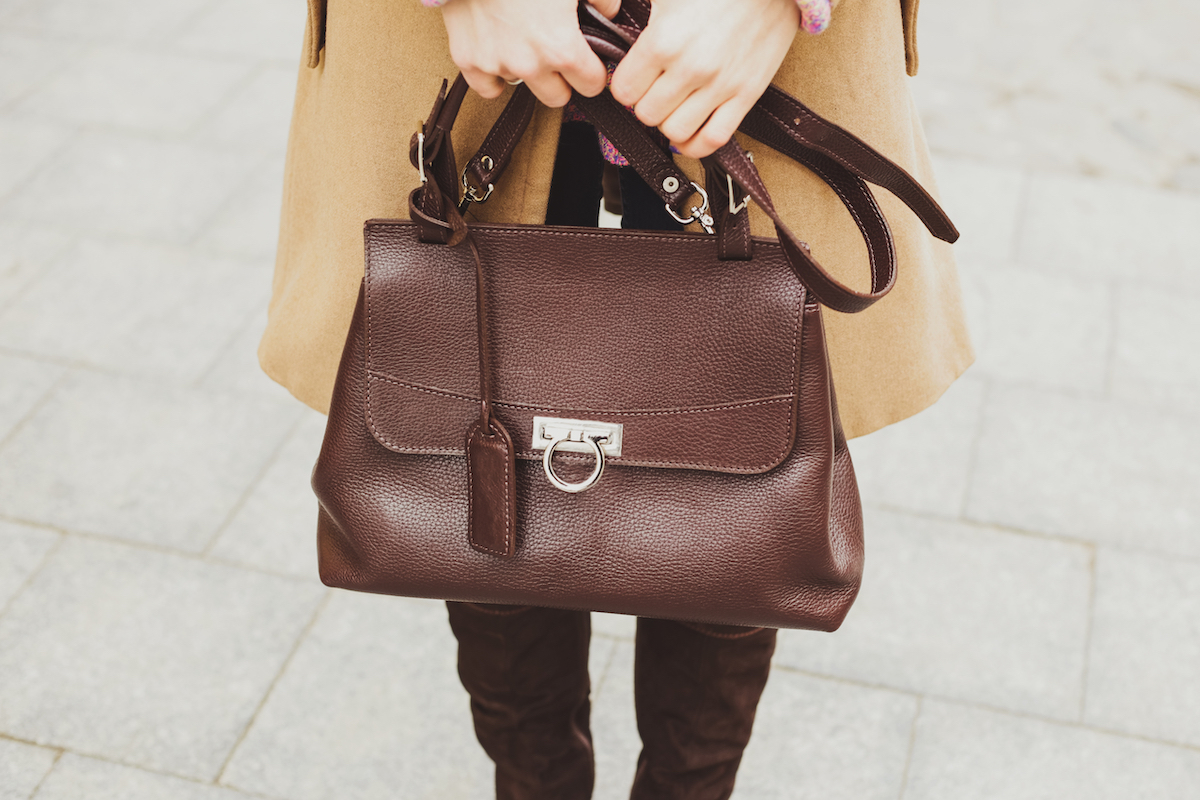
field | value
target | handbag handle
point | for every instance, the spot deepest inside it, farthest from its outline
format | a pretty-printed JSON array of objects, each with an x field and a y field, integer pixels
[{"x": 835, "y": 155}]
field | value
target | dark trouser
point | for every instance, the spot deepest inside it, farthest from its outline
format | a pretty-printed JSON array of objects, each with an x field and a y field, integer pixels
[{"x": 696, "y": 687}]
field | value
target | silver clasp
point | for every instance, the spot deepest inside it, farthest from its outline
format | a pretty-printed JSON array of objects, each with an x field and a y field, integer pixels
[
  {"x": 699, "y": 214},
  {"x": 601, "y": 439},
  {"x": 470, "y": 193}
]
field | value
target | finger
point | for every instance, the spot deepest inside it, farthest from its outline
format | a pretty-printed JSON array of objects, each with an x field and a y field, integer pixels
[
  {"x": 550, "y": 88},
  {"x": 488, "y": 86},
  {"x": 814, "y": 15},
  {"x": 608, "y": 8},
  {"x": 634, "y": 76},
  {"x": 683, "y": 123},
  {"x": 662, "y": 99},
  {"x": 580, "y": 67},
  {"x": 717, "y": 131}
]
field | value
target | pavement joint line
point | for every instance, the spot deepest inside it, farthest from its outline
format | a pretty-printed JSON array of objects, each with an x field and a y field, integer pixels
[
  {"x": 170, "y": 382},
  {"x": 155, "y": 548},
  {"x": 44, "y": 163},
  {"x": 1087, "y": 636},
  {"x": 982, "y": 706},
  {"x": 912, "y": 746},
  {"x": 62, "y": 751},
  {"x": 312, "y": 621},
  {"x": 33, "y": 574},
  {"x": 36, "y": 407},
  {"x": 53, "y": 765},
  {"x": 254, "y": 482},
  {"x": 1062, "y": 538}
]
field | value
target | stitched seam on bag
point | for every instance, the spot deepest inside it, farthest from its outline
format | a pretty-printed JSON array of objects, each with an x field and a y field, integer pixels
[
  {"x": 833, "y": 185},
  {"x": 794, "y": 396},
  {"x": 857, "y": 219},
  {"x": 688, "y": 239},
  {"x": 783, "y": 398},
  {"x": 735, "y": 468}
]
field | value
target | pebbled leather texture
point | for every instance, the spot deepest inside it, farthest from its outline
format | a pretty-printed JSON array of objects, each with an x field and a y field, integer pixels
[{"x": 781, "y": 548}]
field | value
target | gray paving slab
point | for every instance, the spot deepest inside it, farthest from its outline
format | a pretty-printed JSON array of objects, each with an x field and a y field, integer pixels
[
  {"x": 618, "y": 626},
  {"x": 29, "y": 61},
  {"x": 26, "y": 250},
  {"x": 24, "y": 548},
  {"x": 22, "y": 768},
  {"x": 106, "y": 21},
  {"x": 963, "y": 752},
  {"x": 136, "y": 308},
  {"x": 964, "y": 612},
  {"x": 614, "y": 725},
  {"x": 167, "y": 190},
  {"x": 76, "y": 777},
  {"x": 26, "y": 382},
  {"x": 145, "y": 92},
  {"x": 271, "y": 29},
  {"x": 984, "y": 200},
  {"x": 923, "y": 463},
  {"x": 258, "y": 114},
  {"x": 370, "y": 707},
  {"x": 1092, "y": 228},
  {"x": 1046, "y": 330},
  {"x": 1103, "y": 471},
  {"x": 1145, "y": 648},
  {"x": 139, "y": 460},
  {"x": 237, "y": 369},
  {"x": 275, "y": 528},
  {"x": 24, "y": 147},
  {"x": 1043, "y": 86},
  {"x": 248, "y": 225},
  {"x": 826, "y": 739},
  {"x": 143, "y": 657},
  {"x": 1155, "y": 355}
]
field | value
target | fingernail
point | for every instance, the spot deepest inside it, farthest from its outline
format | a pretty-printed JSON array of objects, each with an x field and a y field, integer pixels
[{"x": 814, "y": 15}]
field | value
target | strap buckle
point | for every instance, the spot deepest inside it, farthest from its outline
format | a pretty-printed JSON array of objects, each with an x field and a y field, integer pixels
[
  {"x": 699, "y": 214},
  {"x": 470, "y": 193}
]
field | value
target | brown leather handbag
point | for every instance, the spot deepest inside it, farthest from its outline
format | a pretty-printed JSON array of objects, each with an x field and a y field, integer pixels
[{"x": 624, "y": 421}]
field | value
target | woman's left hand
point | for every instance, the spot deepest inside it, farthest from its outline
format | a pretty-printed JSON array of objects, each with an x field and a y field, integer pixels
[{"x": 701, "y": 65}]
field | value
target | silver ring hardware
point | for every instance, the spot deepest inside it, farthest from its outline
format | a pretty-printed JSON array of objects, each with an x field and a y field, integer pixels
[
  {"x": 699, "y": 214},
  {"x": 517, "y": 82},
  {"x": 601, "y": 439},
  {"x": 586, "y": 483}
]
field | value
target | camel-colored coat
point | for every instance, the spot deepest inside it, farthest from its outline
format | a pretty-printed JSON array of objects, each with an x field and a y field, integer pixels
[{"x": 362, "y": 96}]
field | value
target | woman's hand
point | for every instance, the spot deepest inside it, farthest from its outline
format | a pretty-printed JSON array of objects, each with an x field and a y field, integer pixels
[
  {"x": 537, "y": 41},
  {"x": 700, "y": 65}
]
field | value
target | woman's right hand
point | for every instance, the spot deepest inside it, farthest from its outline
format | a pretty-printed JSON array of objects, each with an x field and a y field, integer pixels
[{"x": 537, "y": 41}]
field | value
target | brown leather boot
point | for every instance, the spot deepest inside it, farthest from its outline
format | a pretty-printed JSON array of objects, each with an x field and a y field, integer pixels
[
  {"x": 696, "y": 688},
  {"x": 526, "y": 670}
]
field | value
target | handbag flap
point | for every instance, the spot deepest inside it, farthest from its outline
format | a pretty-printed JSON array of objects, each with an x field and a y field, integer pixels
[{"x": 697, "y": 358}]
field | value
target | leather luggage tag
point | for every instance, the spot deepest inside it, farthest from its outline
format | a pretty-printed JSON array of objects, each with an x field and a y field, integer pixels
[{"x": 491, "y": 490}]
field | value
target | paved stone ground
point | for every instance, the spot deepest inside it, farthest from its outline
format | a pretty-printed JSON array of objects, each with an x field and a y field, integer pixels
[{"x": 1029, "y": 625}]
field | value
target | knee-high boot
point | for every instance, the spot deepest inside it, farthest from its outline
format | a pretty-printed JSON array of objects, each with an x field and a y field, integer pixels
[
  {"x": 526, "y": 670},
  {"x": 696, "y": 689}
]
